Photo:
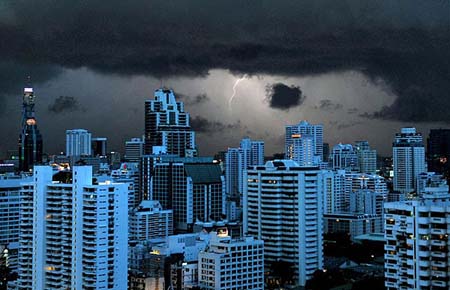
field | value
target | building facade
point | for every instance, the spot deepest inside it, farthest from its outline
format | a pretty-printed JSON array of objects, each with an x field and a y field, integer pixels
[
  {"x": 78, "y": 142},
  {"x": 228, "y": 264},
  {"x": 30, "y": 139},
  {"x": 73, "y": 233},
  {"x": 283, "y": 207},
  {"x": 150, "y": 221},
  {"x": 408, "y": 157},
  {"x": 167, "y": 124},
  {"x": 194, "y": 188},
  {"x": 304, "y": 143},
  {"x": 416, "y": 248}
]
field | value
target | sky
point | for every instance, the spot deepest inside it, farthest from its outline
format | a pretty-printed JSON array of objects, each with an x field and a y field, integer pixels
[{"x": 363, "y": 69}]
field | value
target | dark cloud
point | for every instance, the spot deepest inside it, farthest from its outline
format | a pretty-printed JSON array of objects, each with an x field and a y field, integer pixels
[
  {"x": 203, "y": 125},
  {"x": 283, "y": 97},
  {"x": 352, "y": 110},
  {"x": 189, "y": 100},
  {"x": 328, "y": 105},
  {"x": 405, "y": 43},
  {"x": 64, "y": 104},
  {"x": 348, "y": 125},
  {"x": 15, "y": 76}
]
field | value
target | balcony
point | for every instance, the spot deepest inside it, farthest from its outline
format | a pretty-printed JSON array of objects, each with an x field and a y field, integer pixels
[
  {"x": 438, "y": 231},
  {"x": 437, "y": 220}
]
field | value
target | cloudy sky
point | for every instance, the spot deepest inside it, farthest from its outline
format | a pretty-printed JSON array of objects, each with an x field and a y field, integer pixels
[{"x": 361, "y": 68}]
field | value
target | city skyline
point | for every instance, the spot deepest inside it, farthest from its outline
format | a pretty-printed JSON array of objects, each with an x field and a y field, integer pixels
[{"x": 364, "y": 70}]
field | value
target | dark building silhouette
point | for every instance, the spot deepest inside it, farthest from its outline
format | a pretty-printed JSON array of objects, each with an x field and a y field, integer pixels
[
  {"x": 30, "y": 140},
  {"x": 438, "y": 152}
]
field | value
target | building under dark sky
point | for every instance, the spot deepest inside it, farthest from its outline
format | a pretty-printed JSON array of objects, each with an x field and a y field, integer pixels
[
  {"x": 438, "y": 151},
  {"x": 30, "y": 139}
]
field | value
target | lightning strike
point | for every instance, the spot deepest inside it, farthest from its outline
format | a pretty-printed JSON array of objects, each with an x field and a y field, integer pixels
[{"x": 234, "y": 90}]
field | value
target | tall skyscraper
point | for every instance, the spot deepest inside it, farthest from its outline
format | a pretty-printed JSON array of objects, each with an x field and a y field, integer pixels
[
  {"x": 237, "y": 160},
  {"x": 10, "y": 186},
  {"x": 30, "y": 140},
  {"x": 408, "y": 157},
  {"x": 283, "y": 207},
  {"x": 73, "y": 233},
  {"x": 167, "y": 124},
  {"x": 343, "y": 156},
  {"x": 416, "y": 241},
  {"x": 193, "y": 188},
  {"x": 304, "y": 143},
  {"x": 233, "y": 171},
  {"x": 78, "y": 142},
  {"x": 253, "y": 151},
  {"x": 367, "y": 157}
]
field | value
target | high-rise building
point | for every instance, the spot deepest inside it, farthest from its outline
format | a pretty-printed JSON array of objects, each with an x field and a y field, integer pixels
[
  {"x": 73, "y": 232},
  {"x": 167, "y": 124},
  {"x": 228, "y": 264},
  {"x": 408, "y": 157},
  {"x": 237, "y": 160},
  {"x": 234, "y": 160},
  {"x": 30, "y": 139},
  {"x": 304, "y": 143},
  {"x": 78, "y": 142},
  {"x": 193, "y": 188},
  {"x": 253, "y": 151},
  {"x": 367, "y": 157},
  {"x": 283, "y": 207},
  {"x": 416, "y": 242},
  {"x": 10, "y": 186},
  {"x": 343, "y": 156},
  {"x": 134, "y": 149},
  {"x": 99, "y": 147},
  {"x": 127, "y": 173},
  {"x": 438, "y": 151}
]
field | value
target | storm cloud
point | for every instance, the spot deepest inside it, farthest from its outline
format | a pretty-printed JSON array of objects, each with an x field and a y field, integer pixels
[
  {"x": 195, "y": 100},
  {"x": 65, "y": 104},
  {"x": 203, "y": 125},
  {"x": 328, "y": 105},
  {"x": 407, "y": 43},
  {"x": 283, "y": 97}
]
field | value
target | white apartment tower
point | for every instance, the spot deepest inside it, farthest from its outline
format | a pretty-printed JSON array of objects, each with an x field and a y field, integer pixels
[
  {"x": 253, "y": 151},
  {"x": 150, "y": 221},
  {"x": 408, "y": 157},
  {"x": 304, "y": 143},
  {"x": 237, "y": 160},
  {"x": 231, "y": 264},
  {"x": 416, "y": 248},
  {"x": 78, "y": 142},
  {"x": 283, "y": 207},
  {"x": 10, "y": 186},
  {"x": 73, "y": 233}
]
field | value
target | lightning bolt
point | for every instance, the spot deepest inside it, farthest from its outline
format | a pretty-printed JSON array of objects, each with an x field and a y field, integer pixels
[{"x": 234, "y": 90}]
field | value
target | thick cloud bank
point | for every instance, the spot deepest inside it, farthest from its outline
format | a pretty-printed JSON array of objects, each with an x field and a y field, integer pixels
[{"x": 405, "y": 43}]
